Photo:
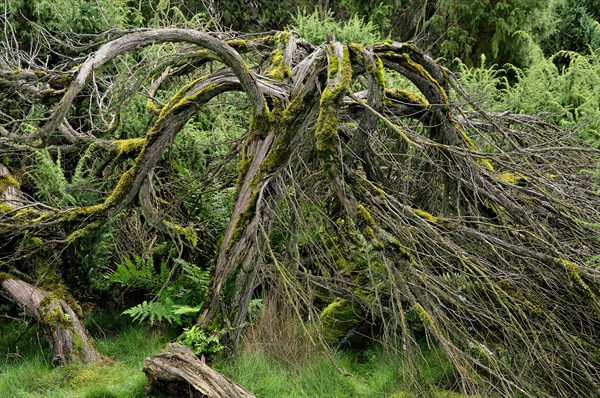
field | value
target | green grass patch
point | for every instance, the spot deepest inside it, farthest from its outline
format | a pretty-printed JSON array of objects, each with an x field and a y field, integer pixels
[
  {"x": 372, "y": 373},
  {"x": 26, "y": 371}
]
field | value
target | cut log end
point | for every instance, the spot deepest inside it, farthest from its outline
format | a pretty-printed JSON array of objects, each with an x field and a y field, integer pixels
[{"x": 177, "y": 372}]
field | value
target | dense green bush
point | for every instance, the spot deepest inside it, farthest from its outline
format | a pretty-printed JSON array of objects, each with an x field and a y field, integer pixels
[
  {"x": 566, "y": 95},
  {"x": 315, "y": 28}
]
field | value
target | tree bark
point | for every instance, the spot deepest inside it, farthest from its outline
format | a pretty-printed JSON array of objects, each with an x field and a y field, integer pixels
[
  {"x": 177, "y": 372},
  {"x": 69, "y": 338}
]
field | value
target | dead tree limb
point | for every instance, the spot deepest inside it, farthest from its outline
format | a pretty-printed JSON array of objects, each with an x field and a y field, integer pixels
[{"x": 177, "y": 372}]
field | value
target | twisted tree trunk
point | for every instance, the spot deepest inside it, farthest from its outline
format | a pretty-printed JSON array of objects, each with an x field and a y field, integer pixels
[{"x": 69, "y": 338}]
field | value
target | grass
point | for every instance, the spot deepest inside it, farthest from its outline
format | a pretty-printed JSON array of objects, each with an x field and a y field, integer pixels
[
  {"x": 26, "y": 371},
  {"x": 372, "y": 374}
]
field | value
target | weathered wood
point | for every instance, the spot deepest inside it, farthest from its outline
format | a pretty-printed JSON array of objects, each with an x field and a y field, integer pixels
[
  {"x": 70, "y": 340},
  {"x": 177, "y": 372}
]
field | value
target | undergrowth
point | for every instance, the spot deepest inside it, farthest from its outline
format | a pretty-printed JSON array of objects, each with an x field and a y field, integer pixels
[
  {"x": 370, "y": 374},
  {"x": 26, "y": 371}
]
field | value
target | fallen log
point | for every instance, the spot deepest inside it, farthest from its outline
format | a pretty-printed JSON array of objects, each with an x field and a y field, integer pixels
[{"x": 177, "y": 372}]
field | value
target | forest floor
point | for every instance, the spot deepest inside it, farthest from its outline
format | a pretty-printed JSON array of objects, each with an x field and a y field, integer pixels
[{"x": 26, "y": 370}]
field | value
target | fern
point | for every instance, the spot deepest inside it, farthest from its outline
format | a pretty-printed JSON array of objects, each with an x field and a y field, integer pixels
[
  {"x": 199, "y": 342},
  {"x": 154, "y": 312},
  {"x": 314, "y": 28},
  {"x": 136, "y": 273},
  {"x": 199, "y": 277}
]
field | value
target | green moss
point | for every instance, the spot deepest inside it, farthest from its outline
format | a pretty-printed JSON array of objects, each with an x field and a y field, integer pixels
[
  {"x": 402, "y": 56},
  {"x": 8, "y": 181},
  {"x": 130, "y": 146},
  {"x": 80, "y": 233},
  {"x": 407, "y": 97},
  {"x": 279, "y": 69},
  {"x": 379, "y": 72},
  {"x": 471, "y": 145},
  {"x": 4, "y": 276},
  {"x": 244, "y": 164},
  {"x": 518, "y": 295},
  {"x": 425, "y": 215},
  {"x": 511, "y": 177},
  {"x": 378, "y": 245},
  {"x": 244, "y": 218},
  {"x": 151, "y": 107},
  {"x": 189, "y": 232},
  {"x": 326, "y": 132},
  {"x": 5, "y": 208},
  {"x": 363, "y": 215},
  {"x": 80, "y": 212},
  {"x": 405, "y": 254},
  {"x": 54, "y": 317},
  {"x": 333, "y": 66},
  {"x": 58, "y": 291},
  {"x": 260, "y": 125},
  {"x": 423, "y": 315},
  {"x": 337, "y": 318},
  {"x": 122, "y": 188},
  {"x": 239, "y": 44},
  {"x": 573, "y": 270}
]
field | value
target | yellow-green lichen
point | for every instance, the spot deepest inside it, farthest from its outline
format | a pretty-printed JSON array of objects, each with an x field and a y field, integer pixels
[
  {"x": 80, "y": 212},
  {"x": 326, "y": 132},
  {"x": 511, "y": 177},
  {"x": 189, "y": 232},
  {"x": 122, "y": 188},
  {"x": 405, "y": 254},
  {"x": 4, "y": 276},
  {"x": 471, "y": 145},
  {"x": 363, "y": 215},
  {"x": 239, "y": 45},
  {"x": 379, "y": 72},
  {"x": 573, "y": 270},
  {"x": 8, "y": 180},
  {"x": 81, "y": 232},
  {"x": 4, "y": 208},
  {"x": 408, "y": 63},
  {"x": 279, "y": 69},
  {"x": 406, "y": 97},
  {"x": 333, "y": 66},
  {"x": 426, "y": 216},
  {"x": 513, "y": 292},
  {"x": 151, "y": 107},
  {"x": 337, "y": 318},
  {"x": 130, "y": 146},
  {"x": 423, "y": 315}
]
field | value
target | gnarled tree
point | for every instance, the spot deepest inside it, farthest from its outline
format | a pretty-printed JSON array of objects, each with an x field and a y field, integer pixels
[{"x": 399, "y": 206}]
